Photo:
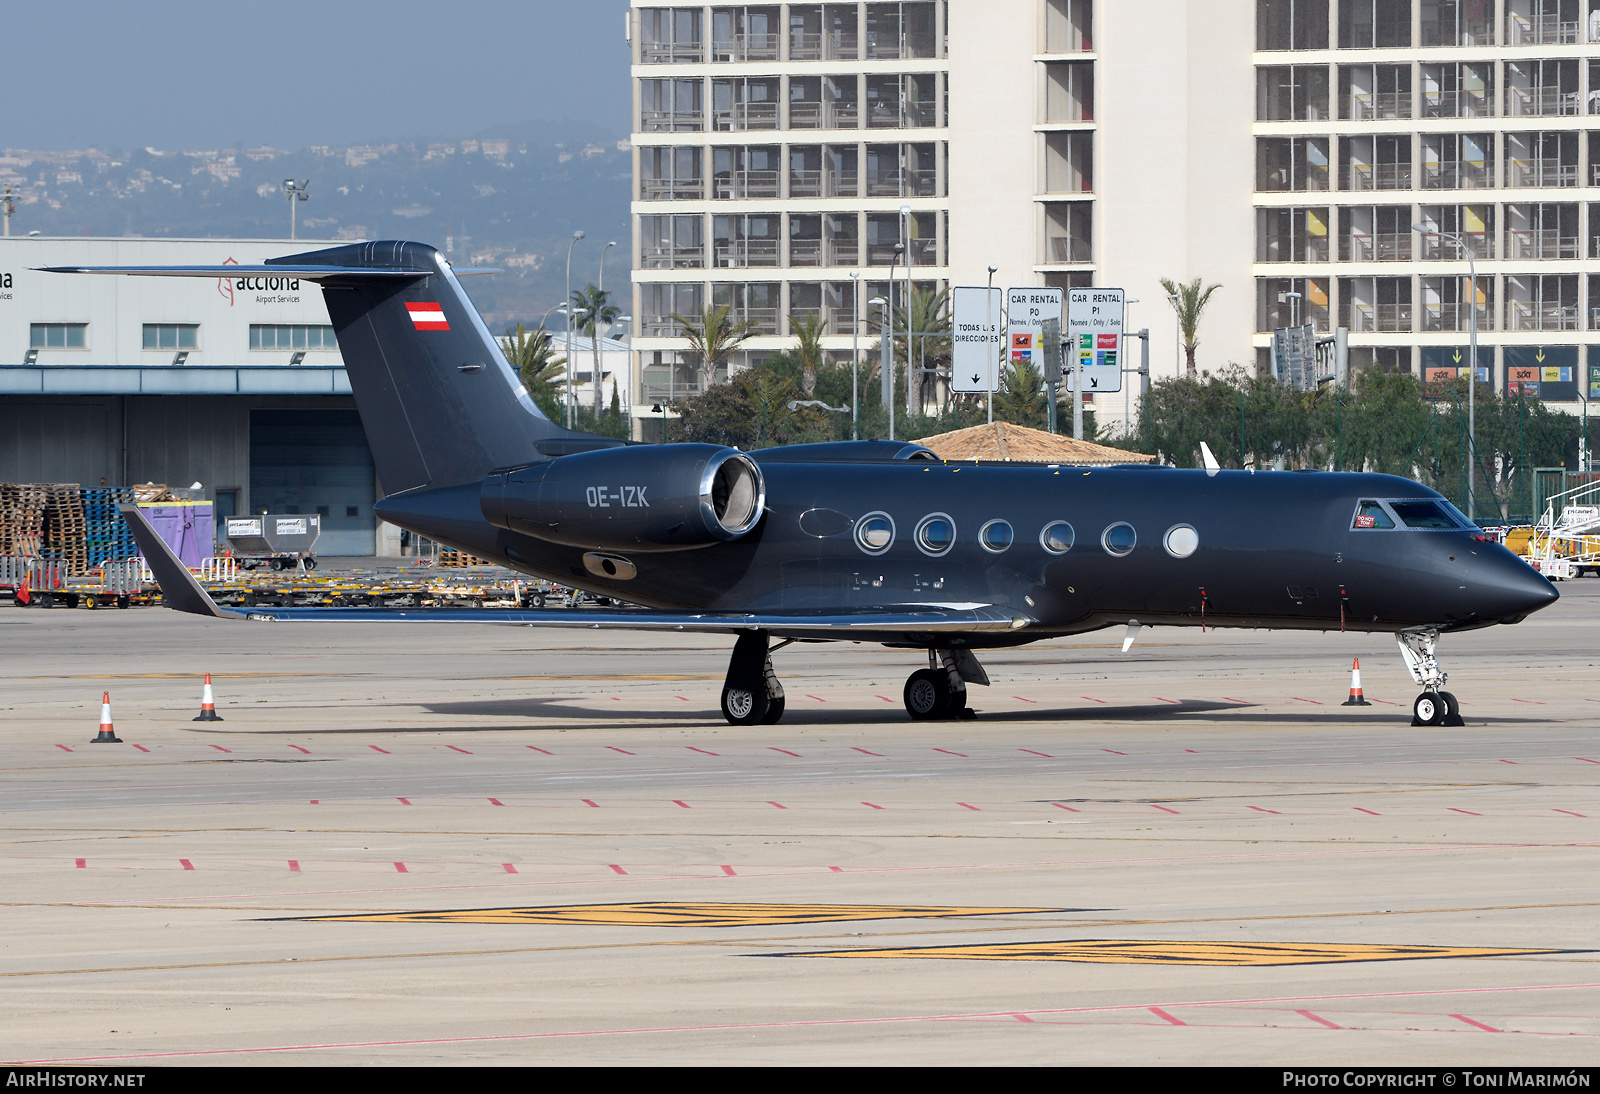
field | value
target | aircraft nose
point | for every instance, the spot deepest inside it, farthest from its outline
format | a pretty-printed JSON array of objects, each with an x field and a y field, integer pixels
[{"x": 1511, "y": 589}]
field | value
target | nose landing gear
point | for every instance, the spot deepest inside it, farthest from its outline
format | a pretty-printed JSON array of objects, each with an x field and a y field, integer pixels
[
  {"x": 751, "y": 695},
  {"x": 940, "y": 690},
  {"x": 1434, "y": 707}
]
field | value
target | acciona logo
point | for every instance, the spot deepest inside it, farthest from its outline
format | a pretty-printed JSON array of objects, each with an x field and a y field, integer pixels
[{"x": 5, "y": 286}]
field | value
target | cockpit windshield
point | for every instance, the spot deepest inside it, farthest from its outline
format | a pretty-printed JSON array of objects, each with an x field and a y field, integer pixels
[
  {"x": 1370, "y": 514},
  {"x": 1417, "y": 513}
]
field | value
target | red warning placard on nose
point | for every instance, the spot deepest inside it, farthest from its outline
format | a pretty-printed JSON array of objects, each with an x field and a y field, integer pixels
[{"x": 427, "y": 317}]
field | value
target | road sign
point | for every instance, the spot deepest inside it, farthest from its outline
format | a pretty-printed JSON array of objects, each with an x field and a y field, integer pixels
[
  {"x": 1027, "y": 311},
  {"x": 1294, "y": 356},
  {"x": 1094, "y": 328},
  {"x": 975, "y": 353}
]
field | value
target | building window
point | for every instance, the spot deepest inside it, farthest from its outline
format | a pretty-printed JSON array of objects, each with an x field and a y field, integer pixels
[
  {"x": 1375, "y": 163},
  {"x": 1291, "y": 163},
  {"x": 750, "y": 239},
  {"x": 1292, "y": 234},
  {"x": 661, "y": 300},
  {"x": 1375, "y": 233},
  {"x": 902, "y": 30},
  {"x": 1291, "y": 24},
  {"x": 744, "y": 103},
  {"x": 277, "y": 336},
  {"x": 1445, "y": 303},
  {"x": 1374, "y": 24},
  {"x": 1541, "y": 159},
  {"x": 839, "y": 301},
  {"x": 805, "y": 102},
  {"x": 745, "y": 34},
  {"x": 1291, "y": 301},
  {"x": 805, "y": 239},
  {"x": 1068, "y": 26},
  {"x": 1473, "y": 223},
  {"x": 1380, "y": 305},
  {"x": 841, "y": 101},
  {"x": 1458, "y": 22},
  {"x": 823, "y": 32},
  {"x": 672, "y": 242},
  {"x": 1542, "y": 22},
  {"x": 1374, "y": 92},
  {"x": 805, "y": 171},
  {"x": 1457, "y": 161},
  {"x": 805, "y": 298},
  {"x": 57, "y": 335},
  {"x": 1292, "y": 93},
  {"x": 842, "y": 237},
  {"x": 1381, "y": 358},
  {"x": 901, "y": 170},
  {"x": 1542, "y": 231},
  {"x": 670, "y": 36},
  {"x": 745, "y": 171},
  {"x": 1539, "y": 88},
  {"x": 671, "y": 106},
  {"x": 841, "y": 167},
  {"x": 1458, "y": 90},
  {"x": 666, "y": 174},
  {"x": 1068, "y": 163},
  {"x": 905, "y": 101},
  {"x": 174, "y": 335},
  {"x": 1541, "y": 302},
  {"x": 1069, "y": 232},
  {"x": 1069, "y": 92},
  {"x": 756, "y": 304}
]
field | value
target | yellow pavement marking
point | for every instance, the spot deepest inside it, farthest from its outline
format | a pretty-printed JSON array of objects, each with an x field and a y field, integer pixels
[
  {"x": 690, "y": 914},
  {"x": 1130, "y": 952}
]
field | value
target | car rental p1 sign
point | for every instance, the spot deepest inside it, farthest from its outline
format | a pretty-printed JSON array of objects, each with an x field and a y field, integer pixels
[
  {"x": 975, "y": 354},
  {"x": 1094, "y": 334}
]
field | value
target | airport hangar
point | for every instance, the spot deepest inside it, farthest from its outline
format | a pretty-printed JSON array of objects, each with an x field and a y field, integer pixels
[{"x": 234, "y": 383}]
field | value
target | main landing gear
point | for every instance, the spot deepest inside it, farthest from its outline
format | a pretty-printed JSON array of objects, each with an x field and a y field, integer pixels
[
  {"x": 752, "y": 695},
  {"x": 940, "y": 690},
  {"x": 1433, "y": 707}
]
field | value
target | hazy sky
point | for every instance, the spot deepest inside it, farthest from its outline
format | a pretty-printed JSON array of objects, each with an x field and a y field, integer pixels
[{"x": 191, "y": 74}]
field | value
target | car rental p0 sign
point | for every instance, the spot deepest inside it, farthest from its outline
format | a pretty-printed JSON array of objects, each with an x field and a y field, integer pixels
[{"x": 1094, "y": 335}]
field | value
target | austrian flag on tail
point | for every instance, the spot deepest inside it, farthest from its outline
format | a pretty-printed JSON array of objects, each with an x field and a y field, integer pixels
[{"x": 427, "y": 317}]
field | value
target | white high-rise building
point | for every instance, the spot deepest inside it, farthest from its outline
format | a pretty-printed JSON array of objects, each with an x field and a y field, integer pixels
[{"x": 1282, "y": 149}]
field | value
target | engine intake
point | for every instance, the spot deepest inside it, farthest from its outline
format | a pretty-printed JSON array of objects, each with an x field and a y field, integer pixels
[{"x": 638, "y": 498}]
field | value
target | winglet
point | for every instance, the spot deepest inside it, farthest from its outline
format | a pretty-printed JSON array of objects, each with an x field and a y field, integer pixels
[
  {"x": 179, "y": 590},
  {"x": 1210, "y": 459}
]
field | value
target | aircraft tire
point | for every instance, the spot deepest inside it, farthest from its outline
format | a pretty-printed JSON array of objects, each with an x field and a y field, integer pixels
[
  {"x": 745, "y": 706},
  {"x": 1428, "y": 710},
  {"x": 927, "y": 696},
  {"x": 774, "y": 711},
  {"x": 1452, "y": 710}
]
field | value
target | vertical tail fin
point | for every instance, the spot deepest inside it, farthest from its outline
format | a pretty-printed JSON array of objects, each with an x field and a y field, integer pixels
[{"x": 439, "y": 402}]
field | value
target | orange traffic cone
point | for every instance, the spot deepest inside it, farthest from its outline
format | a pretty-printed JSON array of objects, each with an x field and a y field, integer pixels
[
  {"x": 208, "y": 706},
  {"x": 108, "y": 733},
  {"x": 1356, "y": 699}
]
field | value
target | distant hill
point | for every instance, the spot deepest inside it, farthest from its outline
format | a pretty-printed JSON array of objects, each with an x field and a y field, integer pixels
[{"x": 508, "y": 197}]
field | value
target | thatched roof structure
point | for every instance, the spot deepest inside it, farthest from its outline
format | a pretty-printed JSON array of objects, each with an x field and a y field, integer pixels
[{"x": 1002, "y": 442}]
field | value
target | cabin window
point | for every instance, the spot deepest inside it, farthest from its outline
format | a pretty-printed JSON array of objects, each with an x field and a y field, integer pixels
[
  {"x": 1057, "y": 537},
  {"x": 995, "y": 536},
  {"x": 1369, "y": 515},
  {"x": 875, "y": 533},
  {"x": 1119, "y": 539},
  {"x": 1181, "y": 541},
  {"x": 936, "y": 534}
]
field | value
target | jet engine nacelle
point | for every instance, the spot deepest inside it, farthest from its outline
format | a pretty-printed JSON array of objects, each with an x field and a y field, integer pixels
[{"x": 637, "y": 498}]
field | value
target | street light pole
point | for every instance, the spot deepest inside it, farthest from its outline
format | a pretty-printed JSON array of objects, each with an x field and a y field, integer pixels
[
  {"x": 575, "y": 237},
  {"x": 988, "y": 328},
  {"x": 888, "y": 353},
  {"x": 886, "y": 357},
  {"x": 855, "y": 354},
  {"x": 911, "y": 376},
  {"x": 296, "y": 191},
  {"x": 1472, "y": 360}
]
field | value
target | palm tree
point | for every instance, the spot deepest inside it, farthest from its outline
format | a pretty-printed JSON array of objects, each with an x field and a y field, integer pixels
[
  {"x": 713, "y": 337},
  {"x": 930, "y": 348},
  {"x": 1189, "y": 301},
  {"x": 533, "y": 356},
  {"x": 595, "y": 307},
  {"x": 809, "y": 335}
]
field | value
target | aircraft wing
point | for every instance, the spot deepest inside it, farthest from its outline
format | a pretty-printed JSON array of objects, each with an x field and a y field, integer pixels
[{"x": 180, "y": 591}]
